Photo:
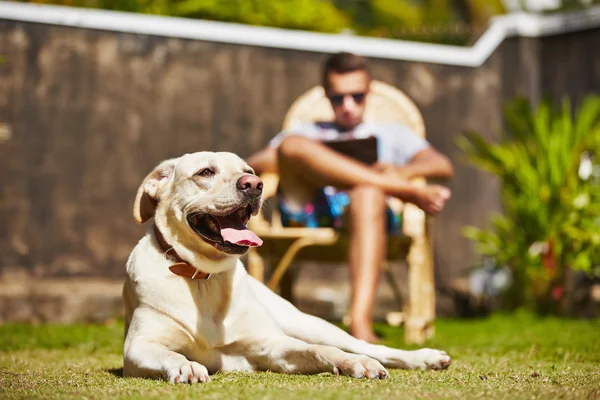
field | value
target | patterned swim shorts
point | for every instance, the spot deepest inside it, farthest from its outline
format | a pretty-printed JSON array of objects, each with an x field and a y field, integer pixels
[{"x": 328, "y": 210}]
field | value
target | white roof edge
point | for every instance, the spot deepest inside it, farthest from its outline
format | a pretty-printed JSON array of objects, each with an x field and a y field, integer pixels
[{"x": 501, "y": 27}]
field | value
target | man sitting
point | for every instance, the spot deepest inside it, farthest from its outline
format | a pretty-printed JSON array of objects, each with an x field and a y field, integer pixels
[{"x": 309, "y": 170}]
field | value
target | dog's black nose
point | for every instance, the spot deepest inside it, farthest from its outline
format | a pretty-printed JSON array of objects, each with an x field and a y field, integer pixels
[{"x": 250, "y": 185}]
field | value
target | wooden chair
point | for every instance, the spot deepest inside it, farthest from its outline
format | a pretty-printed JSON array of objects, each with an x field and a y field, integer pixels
[{"x": 385, "y": 103}]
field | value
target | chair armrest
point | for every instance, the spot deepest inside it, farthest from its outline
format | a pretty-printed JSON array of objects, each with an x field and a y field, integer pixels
[{"x": 413, "y": 218}]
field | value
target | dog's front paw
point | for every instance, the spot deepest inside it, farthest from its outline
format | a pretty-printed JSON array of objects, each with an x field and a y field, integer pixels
[
  {"x": 188, "y": 372},
  {"x": 358, "y": 366},
  {"x": 431, "y": 359}
]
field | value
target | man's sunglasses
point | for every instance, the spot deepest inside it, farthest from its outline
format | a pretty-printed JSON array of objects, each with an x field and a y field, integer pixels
[{"x": 338, "y": 99}]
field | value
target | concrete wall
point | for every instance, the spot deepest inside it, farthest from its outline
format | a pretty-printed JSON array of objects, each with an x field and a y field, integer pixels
[{"x": 93, "y": 111}]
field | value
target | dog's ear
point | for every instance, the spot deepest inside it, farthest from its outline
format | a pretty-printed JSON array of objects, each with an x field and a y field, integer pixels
[{"x": 148, "y": 192}]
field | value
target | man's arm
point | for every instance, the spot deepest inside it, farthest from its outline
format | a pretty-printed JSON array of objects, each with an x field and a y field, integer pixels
[
  {"x": 428, "y": 163},
  {"x": 264, "y": 161}
]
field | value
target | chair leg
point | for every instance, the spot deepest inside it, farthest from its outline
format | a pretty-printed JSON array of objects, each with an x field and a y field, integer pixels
[
  {"x": 428, "y": 289},
  {"x": 393, "y": 282},
  {"x": 289, "y": 255},
  {"x": 420, "y": 315},
  {"x": 286, "y": 285},
  {"x": 394, "y": 318}
]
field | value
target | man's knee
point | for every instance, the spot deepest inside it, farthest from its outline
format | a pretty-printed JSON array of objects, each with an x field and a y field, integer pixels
[
  {"x": 367, "y": 200},
  {"x": 293, "y": 146}
]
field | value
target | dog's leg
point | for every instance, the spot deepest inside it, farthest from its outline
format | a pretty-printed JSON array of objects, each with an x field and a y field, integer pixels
[
  {"x": 150, "y": 350},
  {"x": 292, "y": 356},
  {"x": 317, "y": 331}
]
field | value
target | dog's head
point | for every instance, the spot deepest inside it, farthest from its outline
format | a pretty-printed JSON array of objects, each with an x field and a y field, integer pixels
[{"x": 201, "y": 203}]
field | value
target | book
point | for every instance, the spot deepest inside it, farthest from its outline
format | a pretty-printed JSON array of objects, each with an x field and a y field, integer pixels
[{"x": 363, "y": 150}]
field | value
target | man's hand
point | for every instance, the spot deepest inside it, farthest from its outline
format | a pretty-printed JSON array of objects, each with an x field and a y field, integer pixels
[{"x": 432, "y": 198}]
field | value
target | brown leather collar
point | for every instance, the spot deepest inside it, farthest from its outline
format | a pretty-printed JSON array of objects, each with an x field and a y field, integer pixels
[{"x": 181, "y": 267}]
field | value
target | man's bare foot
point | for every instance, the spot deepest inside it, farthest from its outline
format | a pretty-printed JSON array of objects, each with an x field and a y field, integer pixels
[
  {"x": 364, "y": 332},
  {"x": 432, "y": 198}
]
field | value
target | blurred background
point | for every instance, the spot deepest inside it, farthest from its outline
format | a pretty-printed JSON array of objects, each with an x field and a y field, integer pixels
[{"x": 91, "y": 101}]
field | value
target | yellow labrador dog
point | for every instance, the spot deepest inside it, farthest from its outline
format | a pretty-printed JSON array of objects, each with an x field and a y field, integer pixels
[{"x": 191, "y": 308}]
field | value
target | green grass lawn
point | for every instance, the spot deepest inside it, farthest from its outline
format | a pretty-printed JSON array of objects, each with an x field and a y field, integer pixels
[{"x": 507, "y": 357}]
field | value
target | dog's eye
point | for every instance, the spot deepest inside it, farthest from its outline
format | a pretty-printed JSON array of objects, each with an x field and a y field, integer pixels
[{"x": 206, "y": 172}]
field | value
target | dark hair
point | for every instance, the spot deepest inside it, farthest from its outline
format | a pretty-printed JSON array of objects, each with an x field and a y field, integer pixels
[{"x": 342, "y": 63}]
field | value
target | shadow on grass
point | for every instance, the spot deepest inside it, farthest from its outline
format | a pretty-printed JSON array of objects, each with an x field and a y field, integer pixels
[{"x": 118, "y": 372}]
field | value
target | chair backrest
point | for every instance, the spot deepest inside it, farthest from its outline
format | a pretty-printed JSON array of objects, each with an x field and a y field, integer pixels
[{"x": 385, "y": 103}]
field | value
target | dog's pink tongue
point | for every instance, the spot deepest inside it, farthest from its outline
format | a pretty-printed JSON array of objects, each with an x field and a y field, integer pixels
[
  {"x": 234, "y": 231},
  {"x": 241, "y": 237}
]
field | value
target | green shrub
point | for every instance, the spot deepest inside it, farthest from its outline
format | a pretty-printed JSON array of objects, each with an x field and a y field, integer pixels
[
  {"x": 312, "y": 15},
  {"x": 430, "y": 20},
  {"x": 550, "y": 198}
]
